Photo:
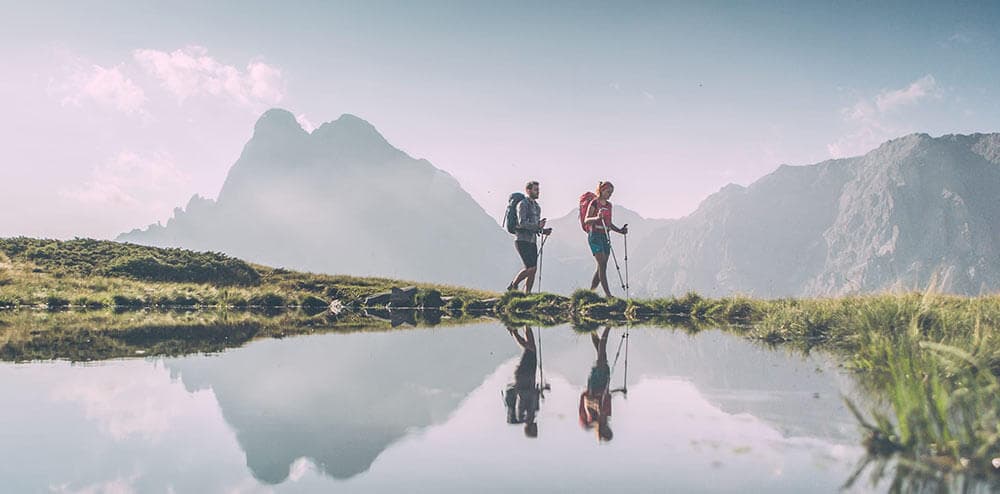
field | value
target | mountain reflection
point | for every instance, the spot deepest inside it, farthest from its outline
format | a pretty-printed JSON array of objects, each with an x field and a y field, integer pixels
[{"x": 342, "y": 400}]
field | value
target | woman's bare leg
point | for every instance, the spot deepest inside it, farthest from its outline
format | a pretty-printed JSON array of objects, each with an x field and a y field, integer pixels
[
  {"x": 602, "y": 270},
  {"x": 602, "y": 349}
]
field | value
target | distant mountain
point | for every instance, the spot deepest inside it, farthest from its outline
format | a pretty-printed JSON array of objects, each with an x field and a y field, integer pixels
[
  {"x": 916, "y": 212},
  {"x": 341, "y": 200}
]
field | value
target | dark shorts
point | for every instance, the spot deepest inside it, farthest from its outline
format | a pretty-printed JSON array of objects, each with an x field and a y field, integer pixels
[
  {"x": 599, "y": 242},
  {"x": 528, "y": 252}
]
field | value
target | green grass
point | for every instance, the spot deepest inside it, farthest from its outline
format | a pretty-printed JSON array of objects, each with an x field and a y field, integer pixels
[
  {"x": 83, "y": 272},
  {"x": 87, "y": 257},
  {"x": 84, "y": 335}
]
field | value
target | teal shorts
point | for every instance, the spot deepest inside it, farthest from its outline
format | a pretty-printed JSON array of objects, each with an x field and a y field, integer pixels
[
  {"x": 599, "y": 242},
  {"x": 600, "y": 378}
]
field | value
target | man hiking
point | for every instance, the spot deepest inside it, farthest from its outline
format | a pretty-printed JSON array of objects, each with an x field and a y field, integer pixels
[
  {"x": 529, "y": 225},
  {"x": 522, "y": 396}
]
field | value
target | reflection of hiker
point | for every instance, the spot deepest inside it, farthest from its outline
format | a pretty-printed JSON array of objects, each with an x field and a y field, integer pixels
[
  {"x": 597, "y": 223},
  {"x": 521, "y": 396},
  {"x": 526, "y": 214},
  {"x": 595, "y": 402}
]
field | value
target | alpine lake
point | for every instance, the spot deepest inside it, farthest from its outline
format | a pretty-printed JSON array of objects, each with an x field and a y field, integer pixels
[{"x": 482, "y": 406}]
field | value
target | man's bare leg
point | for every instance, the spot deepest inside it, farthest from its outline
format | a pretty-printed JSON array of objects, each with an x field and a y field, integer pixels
[
  {"x": 529, "y": 280},
  {"x": 522, "y": 275}
]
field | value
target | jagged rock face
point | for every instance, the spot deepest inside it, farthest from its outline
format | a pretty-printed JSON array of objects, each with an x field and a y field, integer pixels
[
  {"x": 765, "y": 239},
  {"x": 919, "y": 212},
  {"x": 916, "y": 212},
  {"x": 341, "y": 200}
]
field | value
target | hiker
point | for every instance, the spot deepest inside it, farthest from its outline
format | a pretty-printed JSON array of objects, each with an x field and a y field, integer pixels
[
  {"x": 597, "y": 223},
  {"x": 522, "y": 396},
  {"x": 595, "y": 401},
  {"x": 529, "y": 225}
]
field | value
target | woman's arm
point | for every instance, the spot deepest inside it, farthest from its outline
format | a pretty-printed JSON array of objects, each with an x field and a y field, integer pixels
[{"x": 593, "y": 214}]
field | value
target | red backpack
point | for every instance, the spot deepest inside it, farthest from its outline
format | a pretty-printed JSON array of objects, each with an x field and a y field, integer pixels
[{"x": 585, "y": 200}]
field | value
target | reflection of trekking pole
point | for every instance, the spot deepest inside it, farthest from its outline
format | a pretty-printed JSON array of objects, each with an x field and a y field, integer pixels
[
  {"x": 625, "y": 379},
  {"x": 612, "y": 249},
  {"x": 624, "y": 388},
  {"x": 541, "y": 370}
]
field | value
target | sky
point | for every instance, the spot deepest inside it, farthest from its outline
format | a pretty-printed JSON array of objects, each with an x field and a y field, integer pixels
[{"x": 118, "y": 112}]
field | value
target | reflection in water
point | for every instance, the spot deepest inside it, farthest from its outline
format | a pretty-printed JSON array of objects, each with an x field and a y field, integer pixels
[
  {"x": 522, "y": 396},
  {"x": 340, "y": 400},
  {"x": 595, "y": 401},
  {"x": 376, "y": 412}
]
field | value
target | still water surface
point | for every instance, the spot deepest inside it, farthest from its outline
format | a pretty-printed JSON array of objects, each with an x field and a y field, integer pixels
[{"x": 423, "y": 410}]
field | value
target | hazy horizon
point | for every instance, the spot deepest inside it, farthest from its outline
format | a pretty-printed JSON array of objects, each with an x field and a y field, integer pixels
[{"x": 119, "y": 113}]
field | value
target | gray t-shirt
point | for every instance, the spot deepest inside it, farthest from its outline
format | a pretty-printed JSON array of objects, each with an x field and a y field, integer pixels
[{"x": 529, "y": 214}]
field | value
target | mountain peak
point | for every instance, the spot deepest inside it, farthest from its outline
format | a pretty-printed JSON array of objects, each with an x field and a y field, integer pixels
[
  {"x": 351, "y": 133},
  {"x": 348, "y": 124},
  {"x": 276, "y": 119}
]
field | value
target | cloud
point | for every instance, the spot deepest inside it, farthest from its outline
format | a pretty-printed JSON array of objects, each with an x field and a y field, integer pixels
[
  {"x": 119, "y": 485},
  {"x": 108, "y": 87},
  {"x": 916, "y": 91},
  {"x": 143, "y": 404},
  {"x": 299, "y": 469},
  {"x": 190, "y": 72},
  {"x": 130, "y": 179},
  {"x": 305, "y": 122},
  {"x": 958, "y": 39},
  {"x": 872, "y": 117}
]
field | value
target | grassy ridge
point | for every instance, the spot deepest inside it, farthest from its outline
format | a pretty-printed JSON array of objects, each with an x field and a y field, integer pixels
[
  {"x": 87, "y": 257},
  {"x": 96, "y": 274}
]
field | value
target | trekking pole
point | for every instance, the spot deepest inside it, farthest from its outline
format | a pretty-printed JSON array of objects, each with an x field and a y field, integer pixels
[
  {"x": 541, "y": 251},
  {"x": 627, "y": 296}
]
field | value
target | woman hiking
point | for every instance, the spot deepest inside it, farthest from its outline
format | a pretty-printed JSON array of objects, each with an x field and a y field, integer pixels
[
  {"x": 598, "y": 223},
  {"x": 595, "y": 402}
]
